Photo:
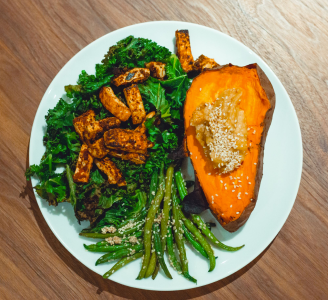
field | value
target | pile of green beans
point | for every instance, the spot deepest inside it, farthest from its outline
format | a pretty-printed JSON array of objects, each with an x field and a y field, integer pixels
[{"x": 156, "y": 236}]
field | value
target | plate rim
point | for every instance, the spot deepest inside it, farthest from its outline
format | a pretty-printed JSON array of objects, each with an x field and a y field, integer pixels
[{"x": 299, "y": 137}]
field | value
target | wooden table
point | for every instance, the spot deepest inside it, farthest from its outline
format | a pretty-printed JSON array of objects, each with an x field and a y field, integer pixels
[{"x": 37, "y": 38}]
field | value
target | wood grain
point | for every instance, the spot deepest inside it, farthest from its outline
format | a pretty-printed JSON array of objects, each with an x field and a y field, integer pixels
[{"x": 38, "y": 37}]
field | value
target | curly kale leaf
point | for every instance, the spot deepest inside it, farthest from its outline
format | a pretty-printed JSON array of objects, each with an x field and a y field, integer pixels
[{"x": 134, "y": 52}]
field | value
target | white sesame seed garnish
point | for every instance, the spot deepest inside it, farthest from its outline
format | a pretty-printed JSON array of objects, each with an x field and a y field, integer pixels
[
  {"x": 225, "y": 187},
  {"x": 190, "y": 153},
  {"x": 231, "y": 205},
  {"x": 216, "y": 195},
  {"x": 247, "y": 177},
  {"x": 237, "y": 212},
  {"x": 233, "y": 191},
  {"x": 249, "y": 183},
  {"x": 200, "y": 89},
  {"x": 246, "y": 193},
  {"x": 209, "y": 174},
  {"x": 254, "y": 131},
  {"x": 221, "y": 181},
  {"x": 254, "y": 163},
  {"x": 248, "y": 128}
]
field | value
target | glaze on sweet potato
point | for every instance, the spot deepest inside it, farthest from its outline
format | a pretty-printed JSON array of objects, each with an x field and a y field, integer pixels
[{"x": 232, "y": 209}]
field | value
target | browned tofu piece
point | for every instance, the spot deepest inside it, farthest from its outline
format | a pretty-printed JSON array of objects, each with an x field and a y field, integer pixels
[
  {"x": 184, "y": 50},
  {"x": 96, "y": 129},
  {"x": 157, "y": 69},
  {"x": 83, "y": 166},
  {"x": 134, "y": 101},
  {"x": 109, "y": 123},
  {"x": 92, "y": 132},
  {"x": 81, "y": 122},
  {"x": 98, "y": 149},
  {"x": 135, "y": 75},
  {"x": 203, "y": 62},
  {"x": 137, "y": 158},
  {"x": 113, "y": 173},
  {"x": 113, "y": 104},
  {"x": 126, "y": 140}
]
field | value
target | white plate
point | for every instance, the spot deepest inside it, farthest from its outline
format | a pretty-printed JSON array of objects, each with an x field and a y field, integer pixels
[{"x": 282, "y": 161}]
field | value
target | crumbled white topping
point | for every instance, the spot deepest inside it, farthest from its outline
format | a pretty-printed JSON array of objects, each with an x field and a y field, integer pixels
[{"x": 106, "y": 229}]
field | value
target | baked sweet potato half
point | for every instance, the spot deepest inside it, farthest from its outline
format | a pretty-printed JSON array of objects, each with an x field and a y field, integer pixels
[{"x": 232, "y": 195}]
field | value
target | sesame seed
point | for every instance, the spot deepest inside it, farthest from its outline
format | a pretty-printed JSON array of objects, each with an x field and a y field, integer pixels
[
  {"x": 246, "y": 193},
  {"x": 247, "y": 177},
  {"x": 254, "y": 163},
  {"x": 216, "y": 195},
  {"x": 249, "y": 183},
  {"x": 237, "y": 212},
  {"x": 200, "y": 89},
  {"x": 248, "y": 128},
  {"x": 225, "y": 188},
  {"x": 231, "y": 205},
  {"x": 209, "y": 174},
  {"x": 233, "y": 191},
  {"x": 221, "y": 181}
]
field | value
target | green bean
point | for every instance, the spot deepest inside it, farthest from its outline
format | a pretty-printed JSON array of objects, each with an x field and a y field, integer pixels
[
  {"x": 159, "y": 250},
  {"x": 192, "y": 228},
  {"x": 152, "y": 265},
  {"x": 119, "y": 254},
  {"x": 153, "y": 186},
  {"x": 167, "y": 204},
  {"x": 149, "y": 223},
  {"x": 170, "y": 249},
  {"x": 156, "y": 271},
  {"x": 108, "y": 247},
  {"x": 181, "y": 185},
  {"x": 123, "y": 262},
  {"x": 178, "y": 235},
  {"x": 202, "y": 226},
  {"x": 138, "y": 217},
  {"x": 96, "y": 235},
  {"x": 72, "y": 186},
  {"x": 193, "y": 242}
]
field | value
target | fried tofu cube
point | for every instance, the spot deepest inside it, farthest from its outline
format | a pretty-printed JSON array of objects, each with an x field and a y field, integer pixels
[
  {"x": 98, "y": 149},
  {"x": 134, "y": 101},
  {"x": 81, "y": 122},
  {"x": 203, "y": 62},
  {"x": 126, "y": 140},
  {"x": 113, "y": 173},
  {"x": 135, "y": 75},
  {"x": 113, "y": 104},
  {"x": 157, "y": 69},
  {"x": 137, "y": 158},
  {"x": 83, "y": 166},
  {"x": 184, "y": 50},
  {"x": 92, "y": 132},
  {"x": 109, "y": 123},
  {"x": 96, "y": 129}
]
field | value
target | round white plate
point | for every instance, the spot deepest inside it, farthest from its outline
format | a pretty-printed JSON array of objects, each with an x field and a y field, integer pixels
[{"x": 282, "y": 161}]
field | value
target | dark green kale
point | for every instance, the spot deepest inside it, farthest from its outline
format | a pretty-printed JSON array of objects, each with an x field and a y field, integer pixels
[
  {"x": 134, "y": 52},
  {"x": 99, "y": 201}
]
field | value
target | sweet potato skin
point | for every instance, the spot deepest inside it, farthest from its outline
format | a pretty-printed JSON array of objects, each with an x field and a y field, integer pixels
[{"x": 257, "y": 150}]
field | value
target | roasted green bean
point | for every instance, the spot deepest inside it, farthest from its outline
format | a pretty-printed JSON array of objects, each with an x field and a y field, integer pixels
[
  {"x": 202, "y": 226},
  {"x": 123, "y": 262}
]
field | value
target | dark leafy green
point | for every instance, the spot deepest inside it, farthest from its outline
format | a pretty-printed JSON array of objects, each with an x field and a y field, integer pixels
[{"x": 99, "y": 201}]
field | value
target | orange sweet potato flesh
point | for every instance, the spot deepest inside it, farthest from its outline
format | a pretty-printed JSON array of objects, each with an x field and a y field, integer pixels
[{"x": 258, "y": 102}]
